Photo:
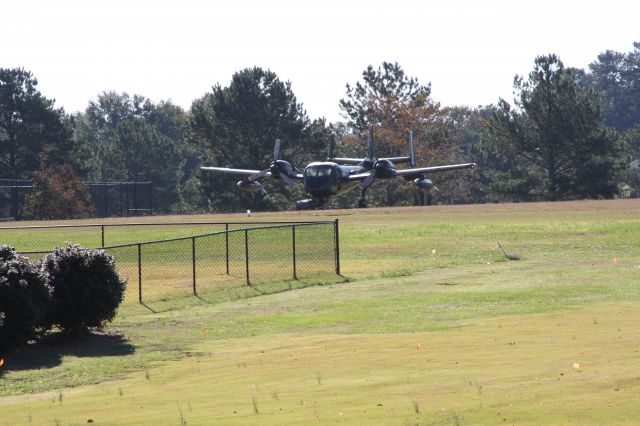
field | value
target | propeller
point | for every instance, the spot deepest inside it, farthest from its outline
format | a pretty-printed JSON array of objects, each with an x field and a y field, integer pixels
[
  {"x": 368, "y": 180},
  {"x": 370, "y": 158},
  {"x": 286, "y": 179},
  {"x": 382, "y": 168},
  {"x": 412, "y": 153},
  {"x": 277, "y": 168},
  {"x": 276, "y": 150}
]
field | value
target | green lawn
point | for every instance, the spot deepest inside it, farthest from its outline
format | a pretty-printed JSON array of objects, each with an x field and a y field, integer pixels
[
  {"x": 163, "y": 266},
  {"x": 433, "y": 326}
]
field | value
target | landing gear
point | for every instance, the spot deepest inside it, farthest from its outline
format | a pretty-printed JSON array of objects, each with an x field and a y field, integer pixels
[
  {"x": 307, "y": 204},
  {"x": 362, "y": 203},
  {"x": 310, "y": 204},
  {"x": 424, "y": 198}
]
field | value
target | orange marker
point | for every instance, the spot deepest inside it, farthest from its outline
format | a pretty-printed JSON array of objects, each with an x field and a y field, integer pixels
[{"x": 1, "y": 362}]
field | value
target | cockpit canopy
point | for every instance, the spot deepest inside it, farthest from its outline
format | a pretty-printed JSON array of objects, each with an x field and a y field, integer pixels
[
  {"x": 321, "y": 170},
  {"x": 321, "y": 177}
]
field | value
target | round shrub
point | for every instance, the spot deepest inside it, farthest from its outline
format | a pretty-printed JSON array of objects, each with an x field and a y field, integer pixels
[
  {"x": 24, "y": 296},
  {"x": 86, "y": 288}
]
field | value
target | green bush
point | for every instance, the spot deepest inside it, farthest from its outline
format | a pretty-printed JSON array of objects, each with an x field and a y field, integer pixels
[
  {"x": 24, "y": 297},
  {"x": 86, "y": 288}
]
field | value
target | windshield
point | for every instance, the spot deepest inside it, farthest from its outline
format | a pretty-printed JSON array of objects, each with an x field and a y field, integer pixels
[{"x": 319, "y": 171}]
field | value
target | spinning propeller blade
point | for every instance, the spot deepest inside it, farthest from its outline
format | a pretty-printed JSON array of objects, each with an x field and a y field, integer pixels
[
  {"x": 371, "y": 154},
  {"x": 286, "y": 179},
  {"x": 412, "y": 154},
  {"x": 367, "y": 181},
  {"x": 276, "y": 150},
  {"x": 262, "y": 173},
  {"x": 276, "y": 157}
]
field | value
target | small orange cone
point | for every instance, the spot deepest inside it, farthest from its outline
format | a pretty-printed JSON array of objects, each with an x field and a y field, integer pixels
[{"x": 1, "y": 362}]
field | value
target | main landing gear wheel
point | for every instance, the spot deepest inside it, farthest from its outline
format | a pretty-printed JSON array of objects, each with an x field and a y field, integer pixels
[{"x": 362, "y": 203}]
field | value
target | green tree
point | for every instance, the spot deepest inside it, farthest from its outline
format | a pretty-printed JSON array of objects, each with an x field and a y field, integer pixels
[
  {"x": 616, "y": 77},
  {"x": 555, "y": 132},
  {"x": 370, "y": 101},
  {"x": 395, "y": 103},
  {"x": 33, "y": 133},
  {"x": 236, "y": 126},
  {"x": 130, "y": 138}
]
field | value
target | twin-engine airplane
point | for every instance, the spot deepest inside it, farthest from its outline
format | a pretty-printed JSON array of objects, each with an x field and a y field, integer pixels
[{"x": 337, "y": 176}]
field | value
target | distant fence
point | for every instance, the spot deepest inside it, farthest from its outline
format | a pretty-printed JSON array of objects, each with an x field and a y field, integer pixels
[
  {"x": 108, "y": 198},
  {"x": 229, "y": 254}
]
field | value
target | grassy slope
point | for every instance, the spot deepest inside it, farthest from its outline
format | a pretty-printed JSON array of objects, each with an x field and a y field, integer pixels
[{"x": 496, "y": 336}]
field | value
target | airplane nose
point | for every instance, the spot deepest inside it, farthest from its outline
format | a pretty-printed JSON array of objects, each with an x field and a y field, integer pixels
[{"x": 314, "y": 184}]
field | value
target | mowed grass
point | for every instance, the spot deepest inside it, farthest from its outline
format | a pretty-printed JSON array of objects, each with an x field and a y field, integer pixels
[
  {"x": 435, "y": 326},
  {"x": 163, "y": 265}
]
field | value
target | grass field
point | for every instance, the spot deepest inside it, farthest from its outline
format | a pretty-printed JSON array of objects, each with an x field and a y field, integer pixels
[
  {"x": 167, "y": 262},
  {"x": 434, "y": 326}
]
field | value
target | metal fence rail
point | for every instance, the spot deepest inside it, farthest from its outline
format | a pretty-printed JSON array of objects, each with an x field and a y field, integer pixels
[
  {"x": 37, "y": 238},
  {"x": 199, "y": 263}
]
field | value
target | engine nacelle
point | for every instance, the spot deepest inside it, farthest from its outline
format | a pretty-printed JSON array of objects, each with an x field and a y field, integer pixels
[
  {"x": 250, "y": 185},
  {"x": 281, "y": 167},
  {"x": 384, "y": 169},
  {"x": 423, "y": 184}
]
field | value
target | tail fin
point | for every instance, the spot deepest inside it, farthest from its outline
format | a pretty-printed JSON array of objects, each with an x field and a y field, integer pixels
[
  {"x": 412, "y": 154},
  {"x": 371, "y": 155},
  {"x": 332, "y": 146}
]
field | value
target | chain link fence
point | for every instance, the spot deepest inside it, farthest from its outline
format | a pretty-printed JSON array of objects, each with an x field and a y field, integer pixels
[{"x": 199, "y": 257}]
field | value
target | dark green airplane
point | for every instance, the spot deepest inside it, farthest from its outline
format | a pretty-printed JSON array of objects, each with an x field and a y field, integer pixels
[{"x": 337, "y": 175}]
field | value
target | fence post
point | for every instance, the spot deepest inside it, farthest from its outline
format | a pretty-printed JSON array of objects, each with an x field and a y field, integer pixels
[
  {"x": 140, "y": 273},
  {"x": 106, "y": 200},
  {"x": 102, "y": 232},
  {"x": 193, "y": 258},
  {"x": 293, "y": 249},
  {"x": 336, "y": 237},
  {"x": 126, "y": 195},
  {"x": 150, "y": 201},
  {"x": 226, "y": 237},
  {"x": 135, "y": 198},
  {"x": 246, "y": 253}
]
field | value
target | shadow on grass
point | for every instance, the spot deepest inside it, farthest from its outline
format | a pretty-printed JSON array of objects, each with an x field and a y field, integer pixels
[
  {"x": 148, "y": 307},
  {"x": 212, "y": 295},
  {"x": 49, "y": 351}
]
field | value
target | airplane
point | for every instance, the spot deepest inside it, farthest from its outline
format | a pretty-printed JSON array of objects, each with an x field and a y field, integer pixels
[{"x": 338, "y": 175}]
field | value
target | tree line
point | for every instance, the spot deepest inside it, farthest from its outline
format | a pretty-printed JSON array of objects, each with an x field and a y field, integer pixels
[{"x": 569, "y": 133}]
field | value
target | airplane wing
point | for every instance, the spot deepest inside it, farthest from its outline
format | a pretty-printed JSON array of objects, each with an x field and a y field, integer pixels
[
  {"x": 360, "y": 176},
  {"x": 355, "y": 161},
  {"x": 243, "y": 172},
  {"x": 415, "y": 172},
  {"x": 397, "y": 159},
  {"x": 247, "y": 172},
  {"x": 433, "y": 169}
]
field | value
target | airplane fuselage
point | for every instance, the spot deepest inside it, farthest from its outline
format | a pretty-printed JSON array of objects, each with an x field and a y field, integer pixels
[{"x": 326, "y": 179}]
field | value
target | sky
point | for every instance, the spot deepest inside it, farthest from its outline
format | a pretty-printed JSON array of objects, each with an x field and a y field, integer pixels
[{"x": 468, "y": 50}]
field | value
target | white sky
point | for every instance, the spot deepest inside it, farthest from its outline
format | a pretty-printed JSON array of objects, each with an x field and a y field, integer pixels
[{"x": 469, "y": 50}]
